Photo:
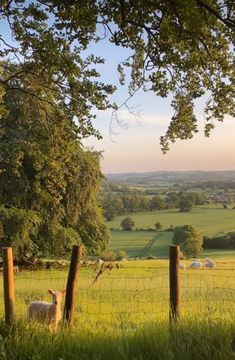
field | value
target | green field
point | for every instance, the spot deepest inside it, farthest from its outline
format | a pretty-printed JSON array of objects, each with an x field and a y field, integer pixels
[
  {"x": 206, "y": 219},
  {"x": 134, "y": 242},
  {"x": 209, "y": 220},
  {"x": 125, "y": 315}
]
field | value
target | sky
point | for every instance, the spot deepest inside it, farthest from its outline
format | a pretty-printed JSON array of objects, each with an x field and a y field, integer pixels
[{"x": 135, "y": 147}]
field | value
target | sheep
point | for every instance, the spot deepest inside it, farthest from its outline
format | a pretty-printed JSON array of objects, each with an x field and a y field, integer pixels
[
  {"x": 195, "y": 265},
  {"x": 44, "y": 312},
  {"x": 210, "y": 264},
  {"x": 182, "y": 266},
  {"x": 16, "y": 268},
  {"x": 99, "y": 261}
]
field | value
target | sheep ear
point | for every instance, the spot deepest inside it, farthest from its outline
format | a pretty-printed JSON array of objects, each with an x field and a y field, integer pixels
[
  {"x": 50, "y": 291},
  {"x": 63, "y": 292}
]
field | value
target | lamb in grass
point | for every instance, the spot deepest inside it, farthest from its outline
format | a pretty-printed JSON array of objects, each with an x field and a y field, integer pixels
[{"x": 47, "y": 313}]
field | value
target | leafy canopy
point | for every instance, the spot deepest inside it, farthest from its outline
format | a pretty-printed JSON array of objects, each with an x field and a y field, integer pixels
[
  {"x": 189, "y": 239},
  {"x": 184, "y": 48},
  {"x": 48, "y": 181},
  {"x": 127, "y": 223}
]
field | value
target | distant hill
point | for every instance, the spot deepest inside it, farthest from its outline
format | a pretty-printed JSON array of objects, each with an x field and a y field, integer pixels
[{"x": 171, "y": 176}]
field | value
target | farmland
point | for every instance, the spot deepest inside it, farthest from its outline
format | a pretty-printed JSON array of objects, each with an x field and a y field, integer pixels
[
  {"x": 133, "y": 243},
  {"x": 124, "y": 315},
  {"x": 208, "y": 220}
]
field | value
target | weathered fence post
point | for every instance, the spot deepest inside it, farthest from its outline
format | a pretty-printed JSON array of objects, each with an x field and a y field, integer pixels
[
  {"x": 8, "y": 284},
  {"x": 72, "y": 283},
  {"x": 174, "y": 283}
]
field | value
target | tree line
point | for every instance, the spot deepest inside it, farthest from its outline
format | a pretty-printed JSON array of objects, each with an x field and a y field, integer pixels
[{"x": 120, "y": 204}]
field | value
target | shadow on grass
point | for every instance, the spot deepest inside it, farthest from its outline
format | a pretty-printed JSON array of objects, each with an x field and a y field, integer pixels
[{"x": 188, "y": 340}]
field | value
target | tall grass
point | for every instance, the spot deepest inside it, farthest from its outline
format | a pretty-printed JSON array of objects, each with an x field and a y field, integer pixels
[
  {"x": 190, "y": 339},
  {"x": 124, "y": 315}
]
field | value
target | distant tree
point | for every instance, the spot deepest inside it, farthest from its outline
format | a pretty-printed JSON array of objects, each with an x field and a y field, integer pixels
[
  {"x": 200, "y": 198},
  {"x": 127, "y": 224},
  {"x": 121, "y": 254},
  {"x": 185, "y": 205},
  {"x": 225, "y": 241},
  {"x": 189, "y": 239},
  {"x": 158, "y": 226},
  {"x": 172, "y": 200},
  {"x": 157, "y": 203}
]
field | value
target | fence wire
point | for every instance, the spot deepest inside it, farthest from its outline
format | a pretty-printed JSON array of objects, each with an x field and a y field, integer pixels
[{"x": 128, "y": 294}]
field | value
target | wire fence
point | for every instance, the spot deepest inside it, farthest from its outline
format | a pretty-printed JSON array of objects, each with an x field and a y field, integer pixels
[{"x": 128, "y": 294}]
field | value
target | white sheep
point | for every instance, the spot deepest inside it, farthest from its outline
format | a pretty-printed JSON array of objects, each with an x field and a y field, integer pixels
[
  {"x": 47, "y": 313},
  {"x": 182, "y": 266},
  {"x": 195, "y": 265},
  {"x": 210, "y": 264},
  {"x": 99, "y": 262}
]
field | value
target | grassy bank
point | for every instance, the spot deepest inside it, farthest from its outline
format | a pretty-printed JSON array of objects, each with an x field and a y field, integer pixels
[{"x": 191, "y": 339}]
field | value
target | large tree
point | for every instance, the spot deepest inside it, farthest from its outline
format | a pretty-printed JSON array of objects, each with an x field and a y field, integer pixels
[
  {"x": 179, "y": 47},
  {"x": 47, "y": 178}
]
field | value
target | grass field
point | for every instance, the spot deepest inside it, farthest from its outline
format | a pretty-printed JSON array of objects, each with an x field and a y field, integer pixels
[
  {"x": 124, "y": 315},
  {"x": 208, "y": 220},
  {"x": 134, "y": 242}
]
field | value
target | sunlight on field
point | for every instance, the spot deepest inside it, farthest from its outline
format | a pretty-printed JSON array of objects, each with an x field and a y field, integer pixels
[
  {"x": 134, "y": 243},
  {"x": 125, "y": 312},
  {"x": 134, "y": 292},
  {"x": 206, "y": 219}
]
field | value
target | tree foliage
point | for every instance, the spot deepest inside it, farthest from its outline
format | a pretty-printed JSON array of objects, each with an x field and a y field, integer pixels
[
  {"x": 184, "y": 49},
  {"x": 127, "y": 223},
  {"x": 225, "y": 241},
  {"x": 19, "y": 229},
  {"x": 185, "y": 205},
  {"x": 119, "y": 203},
  {"x": 189, "y": 239},
  {"x": 46, "y": 171}
]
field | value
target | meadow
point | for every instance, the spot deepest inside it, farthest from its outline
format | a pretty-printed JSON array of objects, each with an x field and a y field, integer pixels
[
  {"x": 207, "y": 219},
  {"x": 124, "y": 315},
  {"x": 134, "y": 243},
  {"x": 210, "y": 220}
]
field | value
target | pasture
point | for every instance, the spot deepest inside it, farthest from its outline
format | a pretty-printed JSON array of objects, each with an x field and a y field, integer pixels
[
  {"x": 134, "y": 242},
  {"x": 124, "y": 315},
  {"x": 209, "y": 220}
]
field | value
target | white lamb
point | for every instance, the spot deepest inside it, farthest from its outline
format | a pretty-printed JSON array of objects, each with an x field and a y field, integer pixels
[
  {"x": 45, "y": 312},
  {"x": 182, "y": 266},
  {"x": 195, "y": 265}
]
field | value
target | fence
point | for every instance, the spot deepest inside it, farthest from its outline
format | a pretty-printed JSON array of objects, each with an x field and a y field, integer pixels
[{"x": 131, "y": 293}]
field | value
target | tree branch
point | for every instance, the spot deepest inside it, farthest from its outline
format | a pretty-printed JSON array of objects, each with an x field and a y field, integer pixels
[{"x": 228, "y": 22}]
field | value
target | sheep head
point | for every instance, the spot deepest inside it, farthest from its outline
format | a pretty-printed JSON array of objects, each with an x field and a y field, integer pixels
[{"x": 56, "y": 295}]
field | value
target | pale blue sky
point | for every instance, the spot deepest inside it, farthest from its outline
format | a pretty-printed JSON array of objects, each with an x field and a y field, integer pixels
[{"x": 137, "y": 148}]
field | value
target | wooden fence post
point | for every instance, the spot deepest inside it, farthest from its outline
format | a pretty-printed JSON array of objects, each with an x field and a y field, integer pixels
[
  {"x": 72, "y": 283},
  {"x": 174, "y": 283},
  {"x": 8, "y": 284}
]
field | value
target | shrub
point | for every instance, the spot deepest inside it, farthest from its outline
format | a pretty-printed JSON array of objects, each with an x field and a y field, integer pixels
[{"x": 121, "y": 254}]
